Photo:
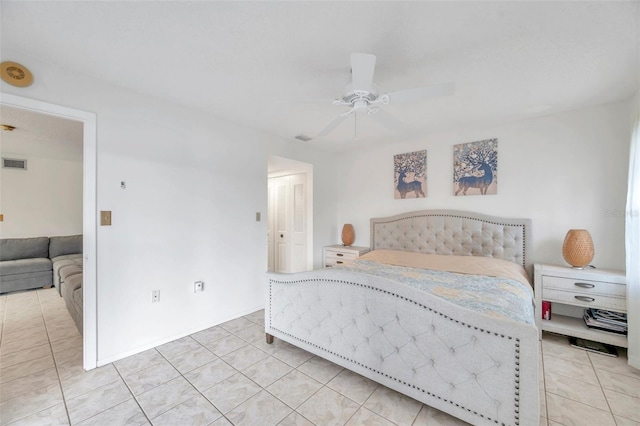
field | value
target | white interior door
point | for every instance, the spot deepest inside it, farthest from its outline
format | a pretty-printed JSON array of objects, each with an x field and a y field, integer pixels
[
  {"x": 298, "y": 222},
  {"x": 270, "y": 226},
  {"x": 288, "y": 223},
  {"x": 281, "y": 229}
]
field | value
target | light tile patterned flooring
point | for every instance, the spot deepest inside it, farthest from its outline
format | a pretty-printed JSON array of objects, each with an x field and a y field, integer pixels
[{"x": 228, "y": 375}]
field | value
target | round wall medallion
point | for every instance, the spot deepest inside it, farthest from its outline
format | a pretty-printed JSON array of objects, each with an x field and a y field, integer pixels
[{"x": 15, "y": 74}]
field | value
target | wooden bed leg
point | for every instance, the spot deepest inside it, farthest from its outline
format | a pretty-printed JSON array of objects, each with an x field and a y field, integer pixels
[{"x": 269, "y": 338}]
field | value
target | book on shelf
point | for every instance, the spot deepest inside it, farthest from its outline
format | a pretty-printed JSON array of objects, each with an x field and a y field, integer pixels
[{"x": 600, "y": 319}]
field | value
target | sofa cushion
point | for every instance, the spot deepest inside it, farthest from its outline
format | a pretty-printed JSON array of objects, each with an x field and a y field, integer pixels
[
  {"x": 60, "y": 262},
  {"x": 70, "y": 285},
  {"x": 23, "y": 248},
  {"x": 68, "y": 270},
  {"x": 23, "y": 266},
  {"x": 69, "y": 244},
  {"x": 74, "y": 258}
]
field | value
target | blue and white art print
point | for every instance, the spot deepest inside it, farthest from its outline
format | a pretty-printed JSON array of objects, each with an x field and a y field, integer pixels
[
  {"x": 410, "y": 175},
  {"x": 475, "y": 168}
]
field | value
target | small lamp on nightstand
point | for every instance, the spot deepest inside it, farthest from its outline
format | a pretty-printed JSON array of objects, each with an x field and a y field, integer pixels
[
  {"x": 348, "y": 235},
  {"x": 577, "y": 248}
]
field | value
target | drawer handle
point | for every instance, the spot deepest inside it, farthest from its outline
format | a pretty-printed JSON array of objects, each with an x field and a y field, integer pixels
[
  {"x": 585, "y": 298},
  {"x": 340, "y": 262},
  {"x": 339, "y": 254},
  {"x": 584, "y": 285}
]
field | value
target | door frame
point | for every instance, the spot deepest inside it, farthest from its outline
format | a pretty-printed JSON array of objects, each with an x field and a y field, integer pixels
[
  {"x": 280, "y": 166},
  {"x": 89, "y": 213}
]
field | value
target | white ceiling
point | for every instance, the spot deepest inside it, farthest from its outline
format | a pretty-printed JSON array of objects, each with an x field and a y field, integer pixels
[
  {"x": 267, "y": 65},
  {"x": 40, "y": 135}
]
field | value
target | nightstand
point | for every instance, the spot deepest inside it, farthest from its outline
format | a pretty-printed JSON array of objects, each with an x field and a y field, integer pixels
[
  {"x": 570, "y": 291},
  {"x": 338, "y": 254}
]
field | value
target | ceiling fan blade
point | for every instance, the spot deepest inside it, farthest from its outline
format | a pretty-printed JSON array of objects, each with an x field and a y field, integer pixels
[
  {"x": 362, "y": 67},
  {"x": 422, "y": 93},
  {"x": 388, "y": 120},
  {"x": 331, "y": 126}
]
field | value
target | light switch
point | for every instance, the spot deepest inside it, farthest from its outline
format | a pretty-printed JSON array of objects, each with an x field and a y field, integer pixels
[
  {"x": 105, "y": 218},
  {"x": 257, "y": 216}
]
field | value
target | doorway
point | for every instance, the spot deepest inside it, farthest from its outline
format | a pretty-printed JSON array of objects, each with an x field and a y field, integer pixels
[
  {"x": 290, "y": 215},
  {"x": 89, "y": 212}
]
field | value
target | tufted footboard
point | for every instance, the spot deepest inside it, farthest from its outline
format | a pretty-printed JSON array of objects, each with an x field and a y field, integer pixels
[{"x": 480, "y": 369}]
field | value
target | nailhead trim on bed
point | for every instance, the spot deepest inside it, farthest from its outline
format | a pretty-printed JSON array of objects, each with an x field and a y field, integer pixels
[
  {"x": 508, "y": 238},
  {"x": 392, "y": 294}
]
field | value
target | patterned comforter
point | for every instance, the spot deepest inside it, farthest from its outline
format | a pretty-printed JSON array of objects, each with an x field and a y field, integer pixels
[{"x": 495, "y": 296}]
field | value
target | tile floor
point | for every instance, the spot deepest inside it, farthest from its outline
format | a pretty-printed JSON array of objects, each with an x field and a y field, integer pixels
[{"x": 228, "y": 375}]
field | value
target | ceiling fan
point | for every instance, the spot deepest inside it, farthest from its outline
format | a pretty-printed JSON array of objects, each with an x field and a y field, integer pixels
[{"x": 362, "y": 95}]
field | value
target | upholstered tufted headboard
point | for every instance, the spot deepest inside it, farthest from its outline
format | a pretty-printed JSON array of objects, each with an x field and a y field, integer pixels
[{"x": 455, "y": 232}]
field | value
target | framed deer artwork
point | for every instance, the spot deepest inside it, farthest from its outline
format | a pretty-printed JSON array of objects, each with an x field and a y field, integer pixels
[
  {"x": 475, "y": 168},
  {"x": 410, "y": 175}
]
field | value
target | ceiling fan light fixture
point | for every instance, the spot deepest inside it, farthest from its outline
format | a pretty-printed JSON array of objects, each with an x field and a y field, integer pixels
[{"x": 360, "y": 104}]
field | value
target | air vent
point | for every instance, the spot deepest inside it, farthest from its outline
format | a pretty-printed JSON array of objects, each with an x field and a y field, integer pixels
[
  {"x": 14, "y": 163},
  {"x": 303, "y": 138}
]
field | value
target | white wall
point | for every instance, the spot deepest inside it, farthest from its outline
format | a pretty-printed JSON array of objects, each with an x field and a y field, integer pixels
[
  {"x": 44, "y": 200},
  {"x": 562, "y": 171},
  {"x": 193, "y": 185}
]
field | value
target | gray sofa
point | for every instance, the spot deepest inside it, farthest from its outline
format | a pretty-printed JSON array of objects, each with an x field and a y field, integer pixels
[
  {"x": 66, "y": 257},
  {"x": 24, "y": 264},
  {"x": 28, "y": 263}
]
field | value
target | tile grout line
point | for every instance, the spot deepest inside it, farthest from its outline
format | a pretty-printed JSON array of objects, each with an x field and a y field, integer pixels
[
  {"x": 131, "y": 392},
  {"x": 41, "y": 312},
  {"x": 323, "y": 385},
  {"x": 239, "y": 371},
  {"x": 55, "y": 363},
  {"x": 593, "y": 367},
  {"x": 4, "y": 315},
  {"x": 599, "y": 385},
  {"x": 293, "y": 410},
  {"x": 544, "y": 383},
  {"x": 187, "y": 380}
]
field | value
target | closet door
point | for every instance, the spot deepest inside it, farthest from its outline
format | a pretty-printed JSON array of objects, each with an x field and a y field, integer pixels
[
  {"x": 271, "y": 260},
  {"x": 288, "y": 220},
  {"x": 298, "y": 225},
  {"x": 281, "y": 229}
]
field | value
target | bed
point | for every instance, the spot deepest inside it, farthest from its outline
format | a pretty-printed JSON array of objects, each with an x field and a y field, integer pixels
[{"x": 476, "y": 363}]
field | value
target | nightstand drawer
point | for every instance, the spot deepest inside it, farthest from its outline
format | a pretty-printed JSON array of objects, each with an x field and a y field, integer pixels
[
  {"x": 338, "y": 255},
  {"x": 585, "y": 299},
  {"x": 329, "y": 262},
  {"x": 586, "y": 287}
]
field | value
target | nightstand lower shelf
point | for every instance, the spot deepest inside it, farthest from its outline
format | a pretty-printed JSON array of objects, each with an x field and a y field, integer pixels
[{"x": 576, "y": 327}]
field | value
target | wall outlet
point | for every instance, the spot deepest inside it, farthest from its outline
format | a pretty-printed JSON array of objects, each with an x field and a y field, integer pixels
[
  {"x": 198, "y": 286},
  {"x": 155, "y": 296}
]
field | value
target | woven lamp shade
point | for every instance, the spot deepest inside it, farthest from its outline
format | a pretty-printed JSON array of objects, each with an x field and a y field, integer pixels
[
  {"x": 348, "y": 234},
  {"x": 577, "y": 248}
]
